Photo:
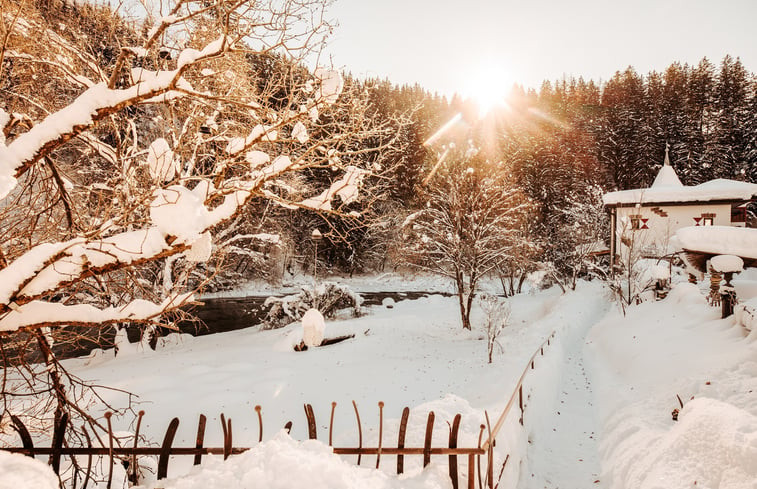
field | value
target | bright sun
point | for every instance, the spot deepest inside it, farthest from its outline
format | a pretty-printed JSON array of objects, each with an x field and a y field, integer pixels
[{"x": 488, "y": 86}]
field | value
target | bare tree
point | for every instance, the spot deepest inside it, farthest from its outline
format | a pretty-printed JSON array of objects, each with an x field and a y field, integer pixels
[
  {"x": 469, "y": 224},
  {"x": 128, "y": 152}
]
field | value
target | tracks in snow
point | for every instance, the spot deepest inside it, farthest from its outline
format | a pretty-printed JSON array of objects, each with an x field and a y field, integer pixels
[{"x": 563, "y": 448}]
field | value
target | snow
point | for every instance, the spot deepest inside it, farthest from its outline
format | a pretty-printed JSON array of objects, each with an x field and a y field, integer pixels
[
  {"x": 151, "y": 87},
  {"x": 727, "y": 263},
  {"x": 256, "y": 159},
  {"x": 666, "y": 191},
  {"x": 719, "y": 240},
  {"x": 27, "y": 265},
  {"x": 259, "y": 132},
  {"x": 282, "y": 463},
  {"x": 330, "y": 87},
  {"x": 347, "y": 188},
  {"x": 639, "y": 363},
  {"x": 313, "y": 327},
  {"x": 40, "y": 312},
  {"x": 190, "y": 55},
  {"x": 714, "y": 444},
  {"x": 667, "y": 178},
  {"x": 598, "y": 402},
  {"x": 300, "y": 133},
  {"x": 201, "y": 249},
  {"x": 745, "y": 314},
  {"x": 177, "y": 211},
  {"x": 415, "y": 354},
  {"x": 161, "y": 162},
  {"x": 20, "y": 472}
]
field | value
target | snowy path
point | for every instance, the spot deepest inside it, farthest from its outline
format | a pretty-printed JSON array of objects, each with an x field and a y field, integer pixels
[
  {"x": 563, "y": 451},
  {"x": 563, "y": 448}
]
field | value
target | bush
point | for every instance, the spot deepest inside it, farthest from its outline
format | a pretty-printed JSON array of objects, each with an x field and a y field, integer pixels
[{"x": 328, "y": 298}]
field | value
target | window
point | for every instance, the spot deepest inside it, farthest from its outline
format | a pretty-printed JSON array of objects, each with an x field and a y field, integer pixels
[
  {"x": 638, "y": 222},
  {"x": 707, "y": 219}
]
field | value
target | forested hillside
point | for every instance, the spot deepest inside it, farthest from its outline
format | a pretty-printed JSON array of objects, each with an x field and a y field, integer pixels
[{"x": 561, "y": 145}]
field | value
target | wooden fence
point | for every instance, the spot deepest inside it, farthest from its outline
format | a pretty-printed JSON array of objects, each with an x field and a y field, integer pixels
[{"x": 128, "y": 455}]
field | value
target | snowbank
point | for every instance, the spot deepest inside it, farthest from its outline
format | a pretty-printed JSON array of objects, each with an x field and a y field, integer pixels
[
  {"x": 22, "y": 472},
  {"x": 714, "y": 444},
  {"x": 640, "y": 363},
  {"x": 282, "y": 463}
]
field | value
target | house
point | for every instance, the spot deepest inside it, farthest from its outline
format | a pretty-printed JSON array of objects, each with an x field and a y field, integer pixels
[{"x": 644, "y": 220}]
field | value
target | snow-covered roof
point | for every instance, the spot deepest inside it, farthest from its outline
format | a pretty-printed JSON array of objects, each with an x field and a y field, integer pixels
[
  {"x": 718, "y": 240},
  {"x": 666, "y": 178},
  {"x": 666, "y": 191}
]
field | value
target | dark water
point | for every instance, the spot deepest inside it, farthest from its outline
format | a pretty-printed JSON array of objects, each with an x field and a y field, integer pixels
[
  {"x": 232, "y": 313},
  {"x": 215, "y": 316}
]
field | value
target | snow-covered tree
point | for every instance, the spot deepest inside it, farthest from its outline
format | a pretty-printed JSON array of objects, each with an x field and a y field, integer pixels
[
  {"x": 469, "y": 224},
  {"x": 580, "y": 233},
  {"x": 128, "y": 152}
]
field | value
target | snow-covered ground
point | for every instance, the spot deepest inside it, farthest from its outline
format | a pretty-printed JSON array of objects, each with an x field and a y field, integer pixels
[{"x": 598, "y": 406}]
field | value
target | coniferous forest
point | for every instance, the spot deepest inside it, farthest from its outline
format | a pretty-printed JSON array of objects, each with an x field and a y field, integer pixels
[{"x": 561, "y": 146}]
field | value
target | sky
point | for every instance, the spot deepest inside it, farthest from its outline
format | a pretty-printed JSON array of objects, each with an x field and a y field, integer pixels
[{"x": 464, "y": 46}]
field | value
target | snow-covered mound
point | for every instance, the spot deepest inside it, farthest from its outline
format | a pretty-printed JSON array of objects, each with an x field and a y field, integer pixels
[
  {"x": 714, "y": 444},
  {"x": 643, "y": 363},
  {"x": 282, "y": 463},
  {"x": 22, "y": 472}
]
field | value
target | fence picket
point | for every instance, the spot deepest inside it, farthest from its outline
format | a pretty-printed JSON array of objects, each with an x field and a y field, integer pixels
[
  {"x": 134, "y": 478},
  {"x": 200, "y": 438},
  {"x": 401, "y": 440},
  {"x": 427, "y": 443},
  {"x": 57, "y": 444},
  {"x": 453, "y": 444},
  {"x": 310, "y": 415},
  {"x": 26, "y": 438},
  {"x": 165, "y": 448}
]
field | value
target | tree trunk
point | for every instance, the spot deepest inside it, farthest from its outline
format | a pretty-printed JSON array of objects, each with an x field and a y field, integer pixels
[{"x": 460, "y": 283}]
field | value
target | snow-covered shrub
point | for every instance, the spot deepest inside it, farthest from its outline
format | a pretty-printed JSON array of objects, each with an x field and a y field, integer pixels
[
  {"x": 496, "y": 313},
  {"x": 328, "y": 298}
]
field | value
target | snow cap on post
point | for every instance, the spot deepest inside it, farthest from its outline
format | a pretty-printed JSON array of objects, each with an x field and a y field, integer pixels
[
  {"x": 313, "y": 326},
  {"x": 727, "y": 263}
]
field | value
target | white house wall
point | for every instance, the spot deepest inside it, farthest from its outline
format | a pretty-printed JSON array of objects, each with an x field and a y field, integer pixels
[{"x": 662, "y": 223}]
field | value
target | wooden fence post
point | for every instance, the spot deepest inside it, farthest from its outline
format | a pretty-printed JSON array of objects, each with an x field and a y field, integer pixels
[
  {"x": 200, "y": 438},
  {"x": 427, "y": 443},
  {"x": 165, "y": 448},
  {"x": 401, "y": 440},
  {"x": 453, "y": 444}
]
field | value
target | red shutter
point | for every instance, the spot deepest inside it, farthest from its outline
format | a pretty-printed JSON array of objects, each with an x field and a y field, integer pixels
[
  {"x": 644, "y": 224},
  {"x": 696, "y": 220}
]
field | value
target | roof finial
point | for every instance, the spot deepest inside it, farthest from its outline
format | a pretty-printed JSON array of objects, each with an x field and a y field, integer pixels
[{"x": 667, "y": 155}]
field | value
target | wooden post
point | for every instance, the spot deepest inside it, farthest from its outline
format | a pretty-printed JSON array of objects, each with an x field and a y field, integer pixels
[
  {"x": 200, "y": 438},
  {"x": 427, "y": 444},
  {"x": 60, "y": 431},
  {"x": 165, "y": 448},
  {"x": 401, "y": 440},
  {"x": 453, "y": 444}
]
